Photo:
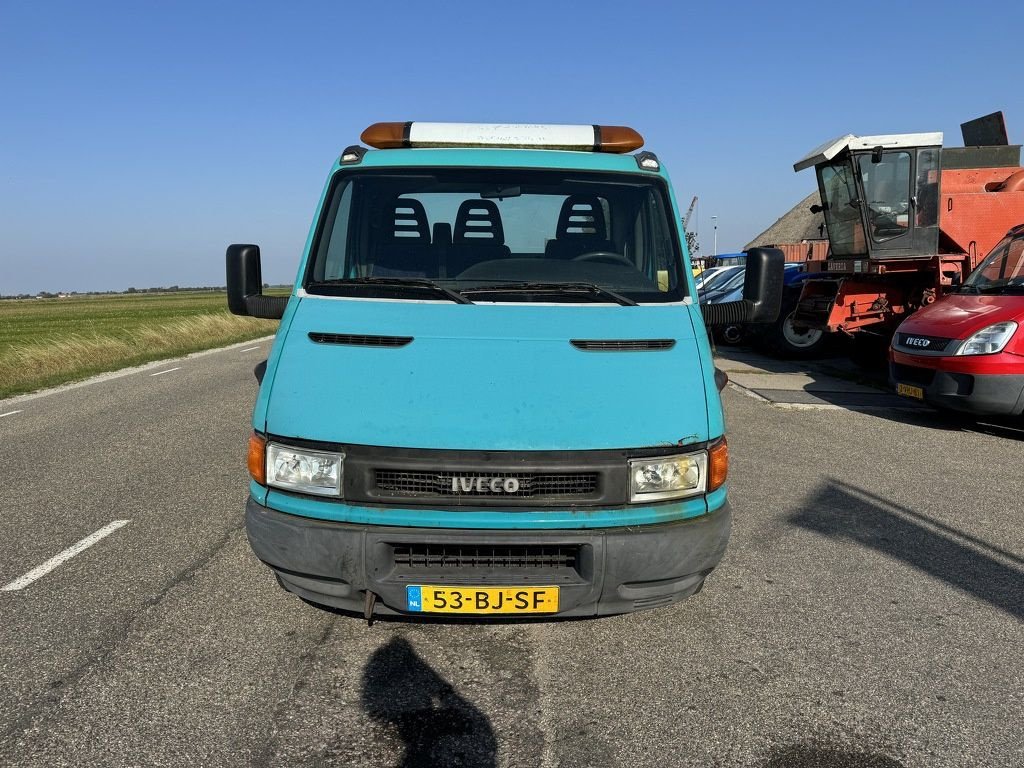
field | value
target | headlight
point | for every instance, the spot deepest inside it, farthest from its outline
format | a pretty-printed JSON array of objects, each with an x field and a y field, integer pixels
[
  {"x": 989, "y": 340},
  {"x": 668, "y": 477},
  {"x": 305, "y": 471}
]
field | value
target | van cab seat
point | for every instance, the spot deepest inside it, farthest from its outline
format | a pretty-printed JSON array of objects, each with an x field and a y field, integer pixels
[
  {"x": 478, "y": 236},
  {"x": 405, "y": 249},
  {"x": 581, "y": 229}
]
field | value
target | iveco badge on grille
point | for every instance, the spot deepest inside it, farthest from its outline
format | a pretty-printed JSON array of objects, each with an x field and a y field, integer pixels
[
  {"x": 464, "y": 484},
  {"x": 916, "y": 342}
]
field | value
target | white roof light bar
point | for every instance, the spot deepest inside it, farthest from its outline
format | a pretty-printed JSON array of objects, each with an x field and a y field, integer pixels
[{"x": 586, "y": 138}]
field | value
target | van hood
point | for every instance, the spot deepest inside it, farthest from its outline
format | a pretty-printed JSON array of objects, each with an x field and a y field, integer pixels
[
  {"x": 486, "y": 377},
  {"x": 960, "y": 315}
]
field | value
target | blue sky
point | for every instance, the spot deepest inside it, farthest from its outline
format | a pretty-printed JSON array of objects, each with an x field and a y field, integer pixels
[{"x": 137, "y": 140}]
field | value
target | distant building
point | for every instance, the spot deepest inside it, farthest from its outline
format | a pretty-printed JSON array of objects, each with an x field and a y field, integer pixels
[{"x": 799, "y": 234}]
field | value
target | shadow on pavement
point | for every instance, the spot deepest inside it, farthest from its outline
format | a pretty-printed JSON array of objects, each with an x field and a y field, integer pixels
[
  {"x": 879, "y": 399},
  {"x": 827, "y": 381},
  {"x": 804, "y": 756},
  {"x": 839, "y": 510},
  {"x": 951, "y": 421},
  {"x": 437, "y": 726}
]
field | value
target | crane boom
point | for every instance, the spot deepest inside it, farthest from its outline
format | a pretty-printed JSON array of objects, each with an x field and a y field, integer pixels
[{"x": 689, "y": 212}]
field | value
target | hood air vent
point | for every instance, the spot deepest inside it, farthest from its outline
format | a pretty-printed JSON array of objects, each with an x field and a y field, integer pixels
[
  {"x": 360, "y": 340},
  {"x": 622, "y": 345}
]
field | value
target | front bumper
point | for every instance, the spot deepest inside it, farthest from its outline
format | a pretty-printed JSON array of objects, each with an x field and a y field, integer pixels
[
  {"x": 984, "y": 394},
  {"x": 618, "y": 569}
]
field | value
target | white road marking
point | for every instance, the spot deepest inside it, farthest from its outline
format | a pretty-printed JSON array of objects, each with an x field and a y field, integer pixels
[
  {"x": 250, "y": 349},
  {"x": 63, "y": 557},
  {"x": 161, "y": 373},
  {"x": 9, "y": 413}
]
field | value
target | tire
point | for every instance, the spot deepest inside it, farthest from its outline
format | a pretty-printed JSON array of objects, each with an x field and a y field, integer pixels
[
  {"x": 731, "y": 335},
  {"x": 784, "y": 339}
]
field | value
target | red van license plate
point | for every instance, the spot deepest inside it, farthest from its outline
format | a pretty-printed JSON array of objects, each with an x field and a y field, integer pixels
[{"x": 910, "y": 391}]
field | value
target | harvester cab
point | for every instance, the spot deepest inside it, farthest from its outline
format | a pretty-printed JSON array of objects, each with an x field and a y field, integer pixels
[{"x": 879, "y": 195}]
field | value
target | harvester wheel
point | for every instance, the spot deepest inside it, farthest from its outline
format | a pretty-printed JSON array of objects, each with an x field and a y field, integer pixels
[{"x": 787, "y": 340}]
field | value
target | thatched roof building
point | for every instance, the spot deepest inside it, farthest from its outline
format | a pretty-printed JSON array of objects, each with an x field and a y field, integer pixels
[{"x": 799, "y": 225}]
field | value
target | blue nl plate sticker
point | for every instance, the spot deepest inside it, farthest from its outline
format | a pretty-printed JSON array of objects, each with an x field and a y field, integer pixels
[{"x": 414, "y": 598}]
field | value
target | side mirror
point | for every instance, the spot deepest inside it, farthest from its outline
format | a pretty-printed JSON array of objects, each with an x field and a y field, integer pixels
[
  {"x": 245, "y": 285},
  {"x": 762, "y": 292}
]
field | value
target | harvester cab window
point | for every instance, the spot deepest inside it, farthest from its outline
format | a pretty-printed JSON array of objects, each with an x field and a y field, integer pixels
[
  {"x": 887, "y": 194},
  {"x": 842, "y": 208},
  {"x": 926, "y": 198}
]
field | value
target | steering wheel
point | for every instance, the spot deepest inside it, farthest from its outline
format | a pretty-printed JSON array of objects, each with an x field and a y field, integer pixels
[
  {"x": 607, "y": 257},
  {"x": 894, "y": 209}
]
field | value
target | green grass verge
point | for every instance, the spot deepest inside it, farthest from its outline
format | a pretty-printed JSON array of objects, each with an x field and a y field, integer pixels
[{"x": 45, "y": 342}]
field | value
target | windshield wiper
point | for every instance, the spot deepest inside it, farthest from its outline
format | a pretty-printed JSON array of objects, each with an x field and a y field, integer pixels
[
  {"x": 420, "y": 283},
  {"x": 575, "y": 287},
  {"x": 993, "y": 288},
  {"x": 1004, "y": 288}
]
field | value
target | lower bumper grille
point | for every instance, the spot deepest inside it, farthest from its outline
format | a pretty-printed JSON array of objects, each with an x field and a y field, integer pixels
[
  {"x": 451, "y": 556},
  {"x": 911, "y": 374}
]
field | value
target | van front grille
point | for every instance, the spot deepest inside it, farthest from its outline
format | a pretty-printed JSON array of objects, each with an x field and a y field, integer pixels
[
  {"x": 922, "y": 343},
  {"x": 485, "y": 484}
]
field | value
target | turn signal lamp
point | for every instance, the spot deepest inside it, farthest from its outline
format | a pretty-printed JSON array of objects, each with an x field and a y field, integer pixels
[
  {"x": 258, "y": 458},
  {"x": 587, "y": 138},
  {"x": 718, "y": 465}
]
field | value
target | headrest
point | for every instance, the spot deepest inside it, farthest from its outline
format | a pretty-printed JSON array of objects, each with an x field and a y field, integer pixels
[
  {"x": 478, "y": 222},
  {"x": 581, "y": 216},
  {"x": 410, "y": 223}
]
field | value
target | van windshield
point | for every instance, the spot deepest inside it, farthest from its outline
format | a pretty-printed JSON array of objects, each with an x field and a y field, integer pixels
[
  {"x": 1002, "y": 271},
  {"x": 497, "y": 235}
]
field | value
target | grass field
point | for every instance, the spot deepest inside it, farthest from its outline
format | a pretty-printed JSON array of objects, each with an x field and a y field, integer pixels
[{"x": 44, "y": 342}]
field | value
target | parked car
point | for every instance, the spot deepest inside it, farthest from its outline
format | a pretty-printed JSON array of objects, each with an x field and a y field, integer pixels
[
  {"x": 717, "y": 281},
  {"x": 965, "y": 352},
  {"x": 705, "y": 277}
]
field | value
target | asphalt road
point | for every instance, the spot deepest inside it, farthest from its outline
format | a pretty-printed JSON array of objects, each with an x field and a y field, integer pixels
[{"x": 868, "y": 613}]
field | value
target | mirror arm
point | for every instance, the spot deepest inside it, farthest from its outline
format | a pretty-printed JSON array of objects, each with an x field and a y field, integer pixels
[
  {"x": 267, "y": 307},
  {"x": 728, "y": 313}
]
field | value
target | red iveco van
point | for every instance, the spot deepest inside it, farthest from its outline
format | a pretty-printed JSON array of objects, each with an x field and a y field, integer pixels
[{"x": 965, "y": 352}]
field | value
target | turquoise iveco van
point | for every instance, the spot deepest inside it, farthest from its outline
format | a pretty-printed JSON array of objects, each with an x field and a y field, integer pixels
[{"x": 492, "y": 391}]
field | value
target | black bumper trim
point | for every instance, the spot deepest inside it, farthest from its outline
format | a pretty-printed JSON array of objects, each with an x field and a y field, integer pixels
[
  {"x": 621, "y": 570},
  {"x": 980, "y": 394}
]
